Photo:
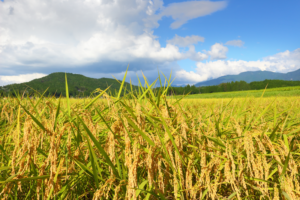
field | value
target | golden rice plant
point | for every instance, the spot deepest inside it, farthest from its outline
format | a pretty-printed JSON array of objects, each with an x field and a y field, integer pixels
[{"x": 141, "y": 145}]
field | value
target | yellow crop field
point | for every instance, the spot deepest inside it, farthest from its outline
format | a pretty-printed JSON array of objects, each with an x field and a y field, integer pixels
[{"x": 149, "y": 147}]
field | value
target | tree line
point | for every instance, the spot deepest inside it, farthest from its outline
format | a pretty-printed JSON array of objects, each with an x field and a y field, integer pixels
[
  {"x": 231, "y": 86},
  {"x": 75, "y": 91}
]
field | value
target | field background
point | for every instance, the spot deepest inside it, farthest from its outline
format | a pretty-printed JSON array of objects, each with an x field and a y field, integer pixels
[
  {"x": 273, "y": 92},
  {"x": 146, "y": 146}
]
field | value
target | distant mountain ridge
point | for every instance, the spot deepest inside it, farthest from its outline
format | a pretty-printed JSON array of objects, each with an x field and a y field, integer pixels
[
  {"x": 78, "y": 85},
  {"x": 251, "y": 76}
]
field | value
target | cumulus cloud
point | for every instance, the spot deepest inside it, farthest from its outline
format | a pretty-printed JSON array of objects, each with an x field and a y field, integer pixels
[
  {"x": 188, "y": 77},
  {"x": 281, "y": 62},
  {"x": 99, "y": 36},
  {"x": 76, "y": 33},
  {"x": 196, "y": 56},
  {"x": 185, "y": 41},
  {"x": 5, "y": 80},
  {"x": 218, "y": 51},
  {"x": 237, "y": 43}
]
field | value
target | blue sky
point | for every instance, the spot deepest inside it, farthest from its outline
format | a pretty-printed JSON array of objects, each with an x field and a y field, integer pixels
[
  {"x": 196, "y": 40},
  {"x": 267, "y": 27}
]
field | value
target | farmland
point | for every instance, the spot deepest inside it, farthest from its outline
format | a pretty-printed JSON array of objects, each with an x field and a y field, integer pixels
[
  {"x": 273, "y": 92},
  {"x": 147, "y": 146}
]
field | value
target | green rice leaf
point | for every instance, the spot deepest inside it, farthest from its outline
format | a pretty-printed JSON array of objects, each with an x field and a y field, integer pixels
[
  {"x": 141, "y": 187},
  {"x": 272, "y": 173},
  {"x": 56, "y": 115},
  {"x": 67, "y": 95},
  {"x": 99, "y": 147},
  {"x": 120, "y": 90},
  {"x": 34, "y": 119},
  {"x": 96, "y": 98},
  {"x": 5, "y": 168},
  {"x": 204, "y": 194},
  {"x": 216, "y": 141},
  {"x": 286, "y": 195},
  {"x": 232, "y": 195},
  {"x": 4, "y": 153},
  {"x": 170, "y": 136},
  {"x": 25, "y": 179},
  {"x": 94, "y": 163},
  {"x": 140, "y": 131},
  {"x": 149, "y": 193},
  {"x": 40, "y": 99},
  {"x": 41, "y": 152},
  {"x": 83, "y": 167},
  {"x": 287, "y": 159},
  {"x": 272, "y": 135},
  {"x": 286, "y": 142},
  {"x": 117, "y": 138},
  {"x": 145, "y": 92}
]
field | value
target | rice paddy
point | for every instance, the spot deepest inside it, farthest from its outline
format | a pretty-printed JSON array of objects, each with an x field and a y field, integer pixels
[
  {"x": 272, "y": 92},
  {"x": 145, "y": 146}
]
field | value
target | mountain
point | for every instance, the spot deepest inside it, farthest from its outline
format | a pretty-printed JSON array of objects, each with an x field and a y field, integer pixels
[
  {"x": 252, "y": 76},
  {"x": 78, "y": 85}
]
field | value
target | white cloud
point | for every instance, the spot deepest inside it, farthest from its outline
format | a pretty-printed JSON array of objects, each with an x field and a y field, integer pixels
[
  {"x": 184, "y": 11},
  {"x": 196, "y": 56},
  {"x": 102, "y": 37},
  {"x": 188, "y": 77},
  {"x": 185, "y": 41},
  {"x": 48, "y": 36},
  {"x": 218, "y": 51},
  {"x": 5, "y": 80},
  {"x": 284, "y": 61},
  {"x": 237, "y": 43},
  {"x": 281, "y": 62}
]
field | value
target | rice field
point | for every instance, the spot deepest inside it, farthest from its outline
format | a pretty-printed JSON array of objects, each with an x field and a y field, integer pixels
[
  {"x": 272, "y": 92},
  {"x": 145, "y": 146}
]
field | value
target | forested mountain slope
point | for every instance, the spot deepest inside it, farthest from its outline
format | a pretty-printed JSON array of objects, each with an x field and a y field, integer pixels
[{"x": 79, "y": 85}]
